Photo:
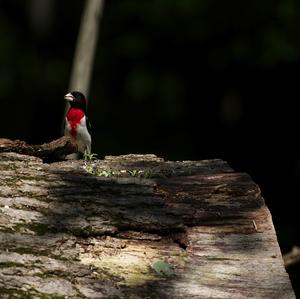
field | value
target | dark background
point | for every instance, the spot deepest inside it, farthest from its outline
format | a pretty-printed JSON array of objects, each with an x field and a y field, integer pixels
[{"x": 183, "y": 79}]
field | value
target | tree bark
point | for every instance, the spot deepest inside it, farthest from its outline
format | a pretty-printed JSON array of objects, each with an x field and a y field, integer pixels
[
  {"x": 135, "y": 226},
  {"x": 49, "y": 152},
  {"x": 86, "y": 46}
]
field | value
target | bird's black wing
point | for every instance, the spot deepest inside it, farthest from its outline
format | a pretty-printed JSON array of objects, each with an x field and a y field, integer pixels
[{"x": 63, "y": 127}]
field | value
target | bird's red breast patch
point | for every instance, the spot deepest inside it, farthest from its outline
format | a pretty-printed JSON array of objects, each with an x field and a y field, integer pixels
[{"x": 74, "y": 117}]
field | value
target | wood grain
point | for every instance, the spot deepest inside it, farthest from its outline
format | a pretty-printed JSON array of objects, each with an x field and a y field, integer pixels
[{"x": 135, "y": 226}]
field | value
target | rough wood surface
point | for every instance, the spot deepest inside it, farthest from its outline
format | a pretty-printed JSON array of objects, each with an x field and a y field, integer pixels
[
  {"x": 52, "y": 151},
  {"x": 135, "y": 227},
  {"x": 292, "y": 257}
]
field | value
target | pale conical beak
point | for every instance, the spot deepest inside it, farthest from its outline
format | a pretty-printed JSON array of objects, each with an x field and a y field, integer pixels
[{"x": 69, "y": 97}]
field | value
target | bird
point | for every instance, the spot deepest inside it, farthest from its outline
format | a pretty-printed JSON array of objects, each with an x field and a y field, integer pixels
[{"x": 77, "y": 125}]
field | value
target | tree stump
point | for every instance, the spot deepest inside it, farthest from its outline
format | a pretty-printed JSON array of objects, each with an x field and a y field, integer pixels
[{"x": 135, "y": 226}]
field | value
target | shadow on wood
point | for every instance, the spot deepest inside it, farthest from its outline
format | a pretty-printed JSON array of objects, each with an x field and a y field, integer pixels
[
  {"x": 135, "y": 226},
  {"x": 49, "y": 152}
]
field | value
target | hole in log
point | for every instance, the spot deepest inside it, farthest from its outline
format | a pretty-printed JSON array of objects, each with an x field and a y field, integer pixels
[{"x": 180, "y": 239}]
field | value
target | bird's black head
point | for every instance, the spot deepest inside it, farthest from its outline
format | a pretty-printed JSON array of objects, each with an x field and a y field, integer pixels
[{"x": 76, "y": 100}]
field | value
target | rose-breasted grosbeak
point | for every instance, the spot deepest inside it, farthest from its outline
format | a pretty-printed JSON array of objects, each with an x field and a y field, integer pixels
[{"x": 77, "y": 125}]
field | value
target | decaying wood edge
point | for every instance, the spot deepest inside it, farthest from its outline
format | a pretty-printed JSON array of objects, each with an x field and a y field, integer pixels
[
  {"x": 292, "y": 257},
  {"x": 52, "y": 151}
]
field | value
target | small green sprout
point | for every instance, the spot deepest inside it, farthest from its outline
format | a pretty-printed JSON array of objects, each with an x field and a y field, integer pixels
[
  {"x": 90, "y": 156},
  {"x": 134, "y": 172},
  {"x": 105, "y": 173}
]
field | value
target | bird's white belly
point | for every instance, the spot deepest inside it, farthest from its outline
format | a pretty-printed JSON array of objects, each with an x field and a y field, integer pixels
[{"x": 82, "y": 138}]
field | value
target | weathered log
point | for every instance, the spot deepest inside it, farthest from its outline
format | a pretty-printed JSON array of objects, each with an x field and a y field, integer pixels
[
  {"x": 52, "y": 151},
  {"x": 135, "y": 227},
  {"x": 292, "y": 257}
]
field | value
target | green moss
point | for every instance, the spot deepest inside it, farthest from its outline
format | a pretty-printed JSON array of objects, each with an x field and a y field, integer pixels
[
  {"x": 147, "y": 173},
  {"x": 10, "y": 264},
  {"x": 162, "y": 268},
  {"x": 30, "y": 294},
  {"x": 152, "y": 174},
  {"x": 105, "y": 173},
  {"x": 9, "y": 166},
  {"x": 15, "y": 294}
]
